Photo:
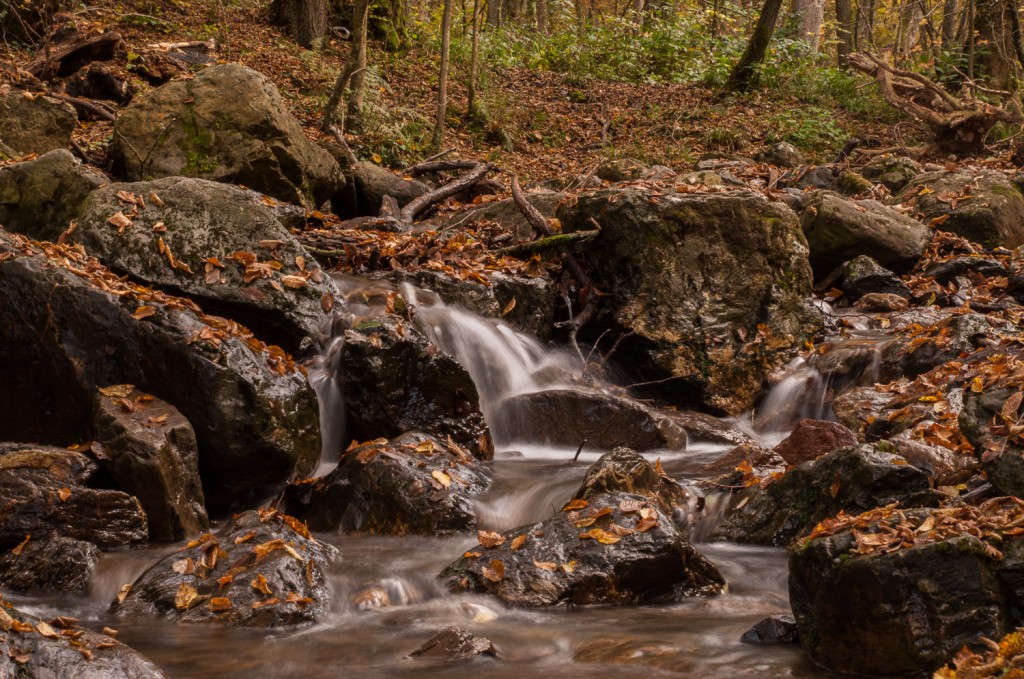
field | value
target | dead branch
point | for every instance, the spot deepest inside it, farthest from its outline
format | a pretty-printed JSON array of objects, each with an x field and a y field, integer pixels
[
  {"x": 87, "y": 106},
  {"x": 340, "y": 138},
  {"x": 70, "y": 58},
  {"x": 423, "y": 203},
  {"x": 436, "y": 156},
  {"x": 547, "y": 243},
  {"x": 434, "y": 166}
]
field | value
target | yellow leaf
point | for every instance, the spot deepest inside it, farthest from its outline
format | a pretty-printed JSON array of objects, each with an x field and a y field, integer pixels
[
  {"x": 601, "y": 536},
  {"x": 185, "y": 597},
  {"x": 495, "y": 572},
  {"x": 441, "y": 478},
  {"x": 117, "y": 390},
  {"x": 143, "y": 311},
  {"x": 490, "y": 539},
  {"x": 575, "y": 504},
  {"x": 518, "y": 541}
]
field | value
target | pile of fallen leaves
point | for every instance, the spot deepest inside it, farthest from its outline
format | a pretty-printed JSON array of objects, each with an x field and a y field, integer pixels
[
  {"x": 146, "y": 299},
  {"x": 888, "y": 529},
  {"x": 61, "y": 628},
  {"x": 1004, "y": 660}
]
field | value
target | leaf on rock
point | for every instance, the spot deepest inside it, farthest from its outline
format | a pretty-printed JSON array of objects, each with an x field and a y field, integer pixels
[
  {"x": 546, "y": 565},
  {"x": 117, "y": 390},
  {"x": 575, "y": 504},
  {"x": 293, "y": 282},
  {"x": 45, "y": 630},
  {"x": 185, "y": 597},
  {"x": 260, "y": 585},
  {"x": 490, "y": 539},
  {"x": 219, "y": 603},
  {"x": 518, "y": 541},
  {"x": 184, "y": 566},
  {"x": 441, "y": 478},
  {"x": 122, "y": 594},
  {"x": 144, "y": 311},
  {"x": 604, "y": 537},
  {"x": 495, "y": 572}
]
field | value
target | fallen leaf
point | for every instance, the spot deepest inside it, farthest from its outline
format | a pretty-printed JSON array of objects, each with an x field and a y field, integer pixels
[
  {"x": 260, "y": 585},
  {"x": 117, "y": 390},
  {"x": 604, "y": 537},
  {"x": 518, "y": 541},
  {"x": 495, "y": 571},
  {"x": 21, "y": 546},
  {"x": 293, "y": 282},
  {"x": 441, "y": 478},
  {"x": 45, "y": 630},
  {"x": 185, "y": 597},
  {"x": 546, "y": 565},
  {"x": 575, "y": 504},
  {"x": 122, "y": 594},
  {"x": 490, "y": 539},
  {"x": 144, "y": 311},
  {"x": 64, "y": 494},
  {"x": 509, "y": 307},
  {"x": 219, "y": 603}
]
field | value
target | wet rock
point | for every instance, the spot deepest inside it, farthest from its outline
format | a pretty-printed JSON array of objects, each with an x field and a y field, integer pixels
[
  {"x": 229, "y": 124},
  {"x": 150, "y": 450},
  {"x": 857, "y": 407},
  {"x": 852, "y": 479},
  {"x": 568, "y": 417},
  {"x": 852, "y": 184},
  {"x": 621, "y": 170},
  {"x": 532, "y": 300},
  {"x": 263, "y": 569},
  {"x": 708, "y": 289},
  {"x": 631, "y": 652},
  {"x": 775, "y": 629},
  {"x": 30, "y": 123},
  {"x": 589, "y": 556},
  {"x": 51, "y": 565},
  {"x": 839, "y": 229},
  {"x": 949, "y": 270},
  {"x": 912, "y": 610},
  {"x": 33, "y": 647},
  {"x": 892, "y": 172},
  {"x": 505, "y": 213},
  {"x": 412, "y": 484},
  {"x": 984, "y": 208},
  {"x": 907, "y": 356},
  {"x": 782, "y": 154},
  {"x": 229, "y": 249},
  {"x": 455, "y": 643},
  {"x": 882, "y": 302},
  {"x": 864, "y": 276},
  {"x": 729, "y": 468},
  {"x": 982, "y": 422},
  {"x": 40, "y": 197},
  {"x": 945, "y": 466},
  {"x": 626, "y": 471},
  {"x": 810, "y": 439},
  {"x": 394, "y": 381},
  {"x": 701, "y": 427},
  {"x": 254, "y": 414},
  {"x": 44, "y": 498}
]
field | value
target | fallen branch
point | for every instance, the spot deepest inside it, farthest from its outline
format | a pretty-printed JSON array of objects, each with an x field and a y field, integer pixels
[
  {"x": 421, "y": 204},
  {"x": 95, "y": 108},
  {"x": 547, "y": 243},
  {"x": 433, "y": 166}
]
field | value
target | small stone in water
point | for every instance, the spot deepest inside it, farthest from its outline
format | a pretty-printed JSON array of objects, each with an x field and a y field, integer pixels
[
  {"x": 455, "y": 643},
  {"x": 776, "y": 629}
]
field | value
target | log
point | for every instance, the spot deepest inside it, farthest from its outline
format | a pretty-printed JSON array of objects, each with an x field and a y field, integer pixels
[
  {"x": 420, "y": 205},
  {"x": 62, "y": 61},
  {"x": 547, "y": 243}
]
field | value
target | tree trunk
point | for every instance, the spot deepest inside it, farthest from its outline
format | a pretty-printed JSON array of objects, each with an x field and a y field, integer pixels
[
  {"x": 542, "y": 16},
  {"x": 474, "y": 61},
  {"x": 864, "y": 33},
  {"x": 354, "y": 67},
  {"x": 442, "y": 80},
  {"x": 810, "y": 14},
  {"x": 306, "y": 20},
  {"x": 910, "y": 26},
  {"x": 995, "y": 30},
  {"x": 744, "y": 75},
  {"x": 844, "y": 30},
  {"x": 949, "y": 12},
  {"x": 494, "y": 12}
]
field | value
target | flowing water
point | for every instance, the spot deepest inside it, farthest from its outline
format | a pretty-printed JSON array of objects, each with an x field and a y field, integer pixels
[{"x": 698, "y": 638}]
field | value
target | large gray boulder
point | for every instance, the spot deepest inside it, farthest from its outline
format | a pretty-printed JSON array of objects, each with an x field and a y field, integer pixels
[
  {"x": 216, "y": 243},
  {"x": 707, "y": 290},
  {"x": 78, "y": 327},
  {"x": 984, "y": 208},
  {"x": 40, "y": 197},
  {"x": 230, "y": 124},
  {"x": 33, "y": 123},
  {"x": 839, "y": 229},
  {"x": 892, "y": 172}
]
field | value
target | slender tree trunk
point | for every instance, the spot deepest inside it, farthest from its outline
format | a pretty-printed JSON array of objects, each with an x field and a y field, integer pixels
[
  {"x": 351, "y": 79},
  {"x": 474, "y": 61},
  {"x": 810, "y": 15},
  {"x": 864, "y": 35},
  {"x": 494, "y": 12},
  {"x": 844, "y": 31},
  {"x": 910, "y": 26},
  {"x": 1018, "y": 44},
  {"x": 970, "y": 38},
  {"x": 542, "y": 16},
  {"x": 442, "y": 79},
  {"x": 744, "y": 74},
  {"x": 949, "y": 12}
]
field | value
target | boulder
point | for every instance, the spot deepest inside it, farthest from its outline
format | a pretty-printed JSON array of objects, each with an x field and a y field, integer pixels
[
  {"x": 782, "y": 154},
  {"x": 914, "y": 607},
  {"x": 984, "y": 208},
  {"x": 626, "y": 471},
  {"x": 851, "y": 479},
  {"x": 839, "y": 229},
  {"x": 775, "y": 629},
  {"x": 455, "y": 643},
  {"x": 955, "y": 337},
  {"x": 882, "y": 302},
  {"x": 44, "y": 497},
  {"x": 216, "y": 243},
  {"x": 40, "y": 197},
  {"x": 864, "y": 276},
  {"x": 852, "y": 184},
  {"x": 229, "y": 124},
  {"x": 412, "y": 484},
  {"x": 532, "y": 300},
  {"x": 984, "y": 422},
  {"x": 621, "y": 170},
  {"x": 811, "y": 439},
  {"x": 707, "y": 289},
  {"x": 368, "y": 186},
  {"x": 568, "y": 417},
  {"x": 732, "y": 468},
  {"x": 55, "y": 564},
  {"x": 395, "y": 381},
  {"x": 892, "y": 172},
  {"x": 263, "y": 569},
  {"x": 630, "y": 554},
  {"x": 33, "y": 123},
  {"x": 60, "y": 647},
  {"x": 150, "y": 451},
  {"x": 78, "y": 327}
]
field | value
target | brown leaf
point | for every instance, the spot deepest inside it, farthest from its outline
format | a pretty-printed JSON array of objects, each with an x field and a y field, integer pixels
[
  {"x": 490, "y": 539},
  {"x": 575, "y": 504},
  {"x": 601, "y": 536},
  {"x": 518, "y": 541},
  {"x": 260, "y": 585},
  {"x": 185, "y": 597},
  {"x": 159, "y": 227},
  {"x": 117, "y": 390},
  {"x": 509, "y": 307},
  {"x": 327, "y": 302},
  {"x": 144, "y": 311},
  {"x": 219, "y": 603},
  {"x": 495, "y": 572},
  {"x": 545, "y": 565},
  {"x": 122, "y": 594},
  {"x": 45, "y": 630},
  {"x": 119, "y": 220},
  {"x": 184, "y": 566}
]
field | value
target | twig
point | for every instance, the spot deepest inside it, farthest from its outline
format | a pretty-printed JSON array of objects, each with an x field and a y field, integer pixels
[
  {"x": 436, "y": 156},
  {"x": 340, "y": 138},
  {"x": 579, "y": 450},
  {"x": 422, "y": 203},
  {"x": 91, "y": 106},
  {"x": 431, "y": 167}
]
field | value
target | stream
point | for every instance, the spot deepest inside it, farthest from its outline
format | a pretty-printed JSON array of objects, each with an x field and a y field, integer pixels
[{"x": 699, "y": 637}]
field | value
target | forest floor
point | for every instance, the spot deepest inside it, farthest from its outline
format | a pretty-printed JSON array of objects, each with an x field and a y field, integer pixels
[{"x": 541, "y": 124}]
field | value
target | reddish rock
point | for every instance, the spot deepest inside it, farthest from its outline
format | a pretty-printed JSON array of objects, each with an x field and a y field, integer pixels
[{"x": 811, "y": 439}]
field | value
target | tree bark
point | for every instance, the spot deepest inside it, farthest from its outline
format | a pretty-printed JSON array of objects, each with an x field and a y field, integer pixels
[
  {"x": 810, "y": 14},
  {"x": 949, "y": 12},
  {"x": 744, "y": 75},
  {"x": 306, "y": 20},
  {"x": 474, "y": 61},
  {"x": 351, "y": 79},
  {"x": 442, "y": 80},
  {"x": 844, "y": 31}
]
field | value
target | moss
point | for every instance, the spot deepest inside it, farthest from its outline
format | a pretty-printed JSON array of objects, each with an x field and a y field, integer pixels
[
  {"x": 1011, "y": 192},
  {"x": 197, "y": 146}
]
